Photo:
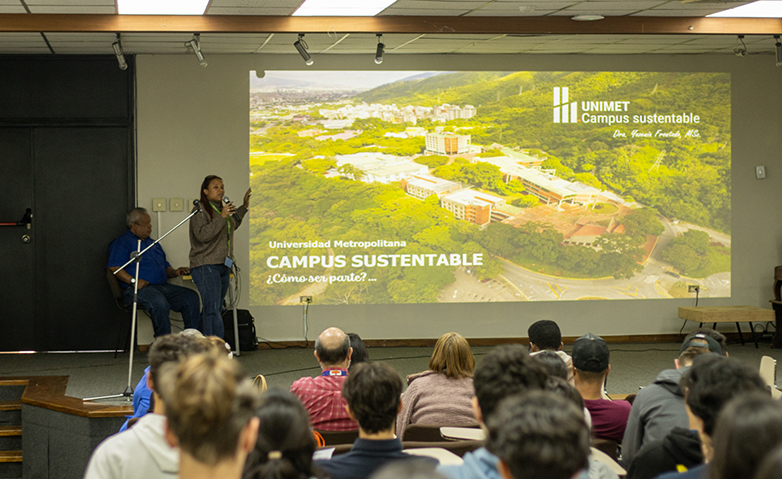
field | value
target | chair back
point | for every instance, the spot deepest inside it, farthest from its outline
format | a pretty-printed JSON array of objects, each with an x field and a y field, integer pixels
[
  {"x": 422, "y": 433},
  {"x": 116, "y": 291},
  {"x": 600, "y": 456},
  {"x": 334, "y": 438},
  {"x": 768, "y": 372},
  {"x": 608, "y": 446}
]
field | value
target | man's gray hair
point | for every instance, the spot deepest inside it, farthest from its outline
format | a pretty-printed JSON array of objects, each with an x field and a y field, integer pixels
[{"x": 134, "y": 216}]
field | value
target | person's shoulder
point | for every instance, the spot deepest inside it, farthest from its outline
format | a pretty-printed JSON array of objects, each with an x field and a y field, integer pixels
[{"x": 699, "y": 472}]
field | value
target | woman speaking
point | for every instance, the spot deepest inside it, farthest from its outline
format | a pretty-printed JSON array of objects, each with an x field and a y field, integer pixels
[{"x": 211, "y": 249}]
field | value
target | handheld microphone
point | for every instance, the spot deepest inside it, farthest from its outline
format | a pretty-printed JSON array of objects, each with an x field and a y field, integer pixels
[
  {"x": 226, "y": 201},
  {"x": 197, "y": 205}
]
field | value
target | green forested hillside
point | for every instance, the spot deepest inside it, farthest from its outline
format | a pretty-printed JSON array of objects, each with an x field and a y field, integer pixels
[{"x": 692, "y": 180}]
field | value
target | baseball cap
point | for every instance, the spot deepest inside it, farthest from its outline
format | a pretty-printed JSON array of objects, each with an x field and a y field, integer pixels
[
  {"x": 590, "y": 353},
  {"x": 702, "y": 341}
]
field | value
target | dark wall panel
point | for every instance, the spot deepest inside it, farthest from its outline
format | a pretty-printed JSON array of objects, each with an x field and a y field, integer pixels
[
  {"x": 81, "y": 197},
  {"x": 63, "y": 87},
  {"x": 17, "y": 301}
]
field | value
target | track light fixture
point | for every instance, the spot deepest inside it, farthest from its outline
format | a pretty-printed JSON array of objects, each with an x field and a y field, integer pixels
[
  {"x": 117, "y": 46},
  {"x": 742, "y": 50},
  {"x": 779, "y": 50},
  {"x": 380, "y": 48},
  {"x": 195, "y": 45},
  {"x": 301, "y": 46}
]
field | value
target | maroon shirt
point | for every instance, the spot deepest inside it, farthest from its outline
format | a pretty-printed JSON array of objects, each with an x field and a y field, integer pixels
[
  {"x": 322, "y": 397},
  {"x": 609, "y": 418}
]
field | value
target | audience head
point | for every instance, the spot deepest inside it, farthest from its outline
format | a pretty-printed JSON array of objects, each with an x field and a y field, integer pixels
[
  {"x": 171, "y": 348},
  {"x": 544, "y": 335},
  {"x": 701, "y": 339},
  {"x": 702, "y": 336},
  {"x": 192, "y": 333},
  {"x": 552, "y": 363},
  {"x": 539, "y": 434},
  {"x": 709, "y": 384},
  {"x": 373, "y": 393},
  {"x": 505, "y": 371},
  {"x": 285, "y": 442},
  {"x": 332, "y": 348},
  {"x": 219, "y": 344},
  {"x": 562, "y": 388},
  {"x": 452, "y": 355},
  {"x": 360, "y": 352},
  {"x": 590, "y": 358},
  {"x": 748, "y": 429},
  {"x": 771, "y": 465},
  {"x": 687, "y": 356},
  {"x": 210, "y": 409}
]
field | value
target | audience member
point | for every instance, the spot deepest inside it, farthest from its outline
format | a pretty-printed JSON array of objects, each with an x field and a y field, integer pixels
[
  {"x": 360, "y": 351},
  {"x": 552, "y": 363},
  {"x": 373, "y": 393},
  {"x": 210, "y": 413},
  {"x": 659, "y": 407},
  {"x": 771, "y": 465},
  {"x": 562, "y": 388},
  {"x": 285, "y": 442},
  {"x": 142, "y": 395},
  {"x": 503, "y": 372},
  {"x": 545, "y": 335},
  {"x": 142, "y": 452},
  {"x": 322, "y": 395},
  {"x": 538, "y": 435},
  {"x": 748, "y": 429},
  {"x": 710, "y": 383},
  {"x": 590, "y": 360},
  {"x": 443, "y": 394},
  {"x": 219, "y": 344}
]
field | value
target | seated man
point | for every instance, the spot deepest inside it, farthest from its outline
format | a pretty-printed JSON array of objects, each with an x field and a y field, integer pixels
[
  {"x": 659, "y": 407},
  {"x": 322, "y": 395},
  {"x": 506, "y": 371},
  {"x": 142, "y": 451},
  {"x": 539, "y": 434},
  {"x": 373, "y": 392},
  {"x": 590, "y": 360},
  {"x": 709, "y": 385},
  {"x": 545, "y": 335},
  {"x": 154, "y": 293}
]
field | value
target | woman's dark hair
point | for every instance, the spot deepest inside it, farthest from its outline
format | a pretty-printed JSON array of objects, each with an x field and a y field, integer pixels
[
  {"x": 360, "y": 352},
  {"x": 204, "y": 201},
  {"x": 285, "y": 441},
  {"x": 748, "y": 429},
  {"x": 553, "y": 364}
]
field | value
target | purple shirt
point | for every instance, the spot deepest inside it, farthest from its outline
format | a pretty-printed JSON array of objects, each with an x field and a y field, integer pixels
[{"x": 609, "y": 418}]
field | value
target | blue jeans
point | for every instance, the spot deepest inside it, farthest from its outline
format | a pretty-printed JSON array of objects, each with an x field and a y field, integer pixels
[
  {"x": 212, "y": 281},
  {"x": 159, "y": 299}
]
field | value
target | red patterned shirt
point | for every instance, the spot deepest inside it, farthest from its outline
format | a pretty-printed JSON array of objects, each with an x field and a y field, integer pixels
[{"x": 322, "y": 397}]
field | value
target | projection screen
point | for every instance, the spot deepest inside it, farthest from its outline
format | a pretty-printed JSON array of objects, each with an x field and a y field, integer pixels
[{"x": 425, "y": 187}]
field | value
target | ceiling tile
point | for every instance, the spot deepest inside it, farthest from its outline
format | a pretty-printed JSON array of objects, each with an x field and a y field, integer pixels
[
  {"x": 272, "y": 11},
  {"x": 256, "y": 3},
  {"x": 421, "y": 12},
  {"x": 442, "y": 6},
  {"x": 12, "y": 9},
  {"x": 73, "y": 9}
]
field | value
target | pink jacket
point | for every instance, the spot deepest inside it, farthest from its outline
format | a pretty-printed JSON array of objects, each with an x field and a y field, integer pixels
[{"x": 432, "y": 398}]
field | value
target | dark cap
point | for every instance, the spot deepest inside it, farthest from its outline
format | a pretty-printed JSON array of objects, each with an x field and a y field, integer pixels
[
  {"x": 701, "y": 340},
  {"x": 590, "y": 353}
]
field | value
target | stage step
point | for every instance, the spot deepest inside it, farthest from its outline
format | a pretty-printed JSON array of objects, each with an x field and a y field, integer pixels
[
  {"x": 10, "y": 438},
  {"x": 10, "y": 464}
]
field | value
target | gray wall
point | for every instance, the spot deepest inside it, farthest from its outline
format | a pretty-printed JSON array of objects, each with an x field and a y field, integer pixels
[{"x": 194, "y": 121}]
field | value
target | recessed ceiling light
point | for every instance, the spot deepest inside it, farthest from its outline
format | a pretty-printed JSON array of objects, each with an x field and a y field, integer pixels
[
  {"x": 342, "y": 8},
  {"x": 587, "y": 18},
  {"x": 161, "y": 7},
  {"x": 759, "y": 9}
]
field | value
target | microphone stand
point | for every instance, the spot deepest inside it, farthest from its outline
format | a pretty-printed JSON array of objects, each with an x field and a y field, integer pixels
[{"x": 135, "y": 257}]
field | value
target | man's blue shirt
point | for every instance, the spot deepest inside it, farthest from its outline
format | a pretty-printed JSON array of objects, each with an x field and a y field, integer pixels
[{"x": 153, "y": 264}]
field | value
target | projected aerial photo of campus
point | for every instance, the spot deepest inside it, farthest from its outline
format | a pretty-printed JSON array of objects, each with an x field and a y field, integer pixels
[{"x": 424, "y": 187}]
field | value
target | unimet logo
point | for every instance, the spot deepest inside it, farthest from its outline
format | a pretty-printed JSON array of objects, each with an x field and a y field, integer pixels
[{"x": 564, "y": 112}]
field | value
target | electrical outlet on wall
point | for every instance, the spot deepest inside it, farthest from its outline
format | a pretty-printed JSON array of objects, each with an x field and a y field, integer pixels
[
  {"x": 693, "y": 288},
  {"x": 158, "y": 204},
  {"x": 760, "y": 172}
]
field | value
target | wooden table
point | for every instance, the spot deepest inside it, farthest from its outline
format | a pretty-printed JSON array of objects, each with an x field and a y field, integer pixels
[{"x": 728, "y": 314}]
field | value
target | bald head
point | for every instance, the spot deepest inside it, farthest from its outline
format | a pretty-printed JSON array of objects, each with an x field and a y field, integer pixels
[{"x": 332, "y": 348}]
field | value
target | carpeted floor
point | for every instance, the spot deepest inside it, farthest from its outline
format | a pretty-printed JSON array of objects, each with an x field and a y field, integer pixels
[{"x": 95, "y": 374}]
